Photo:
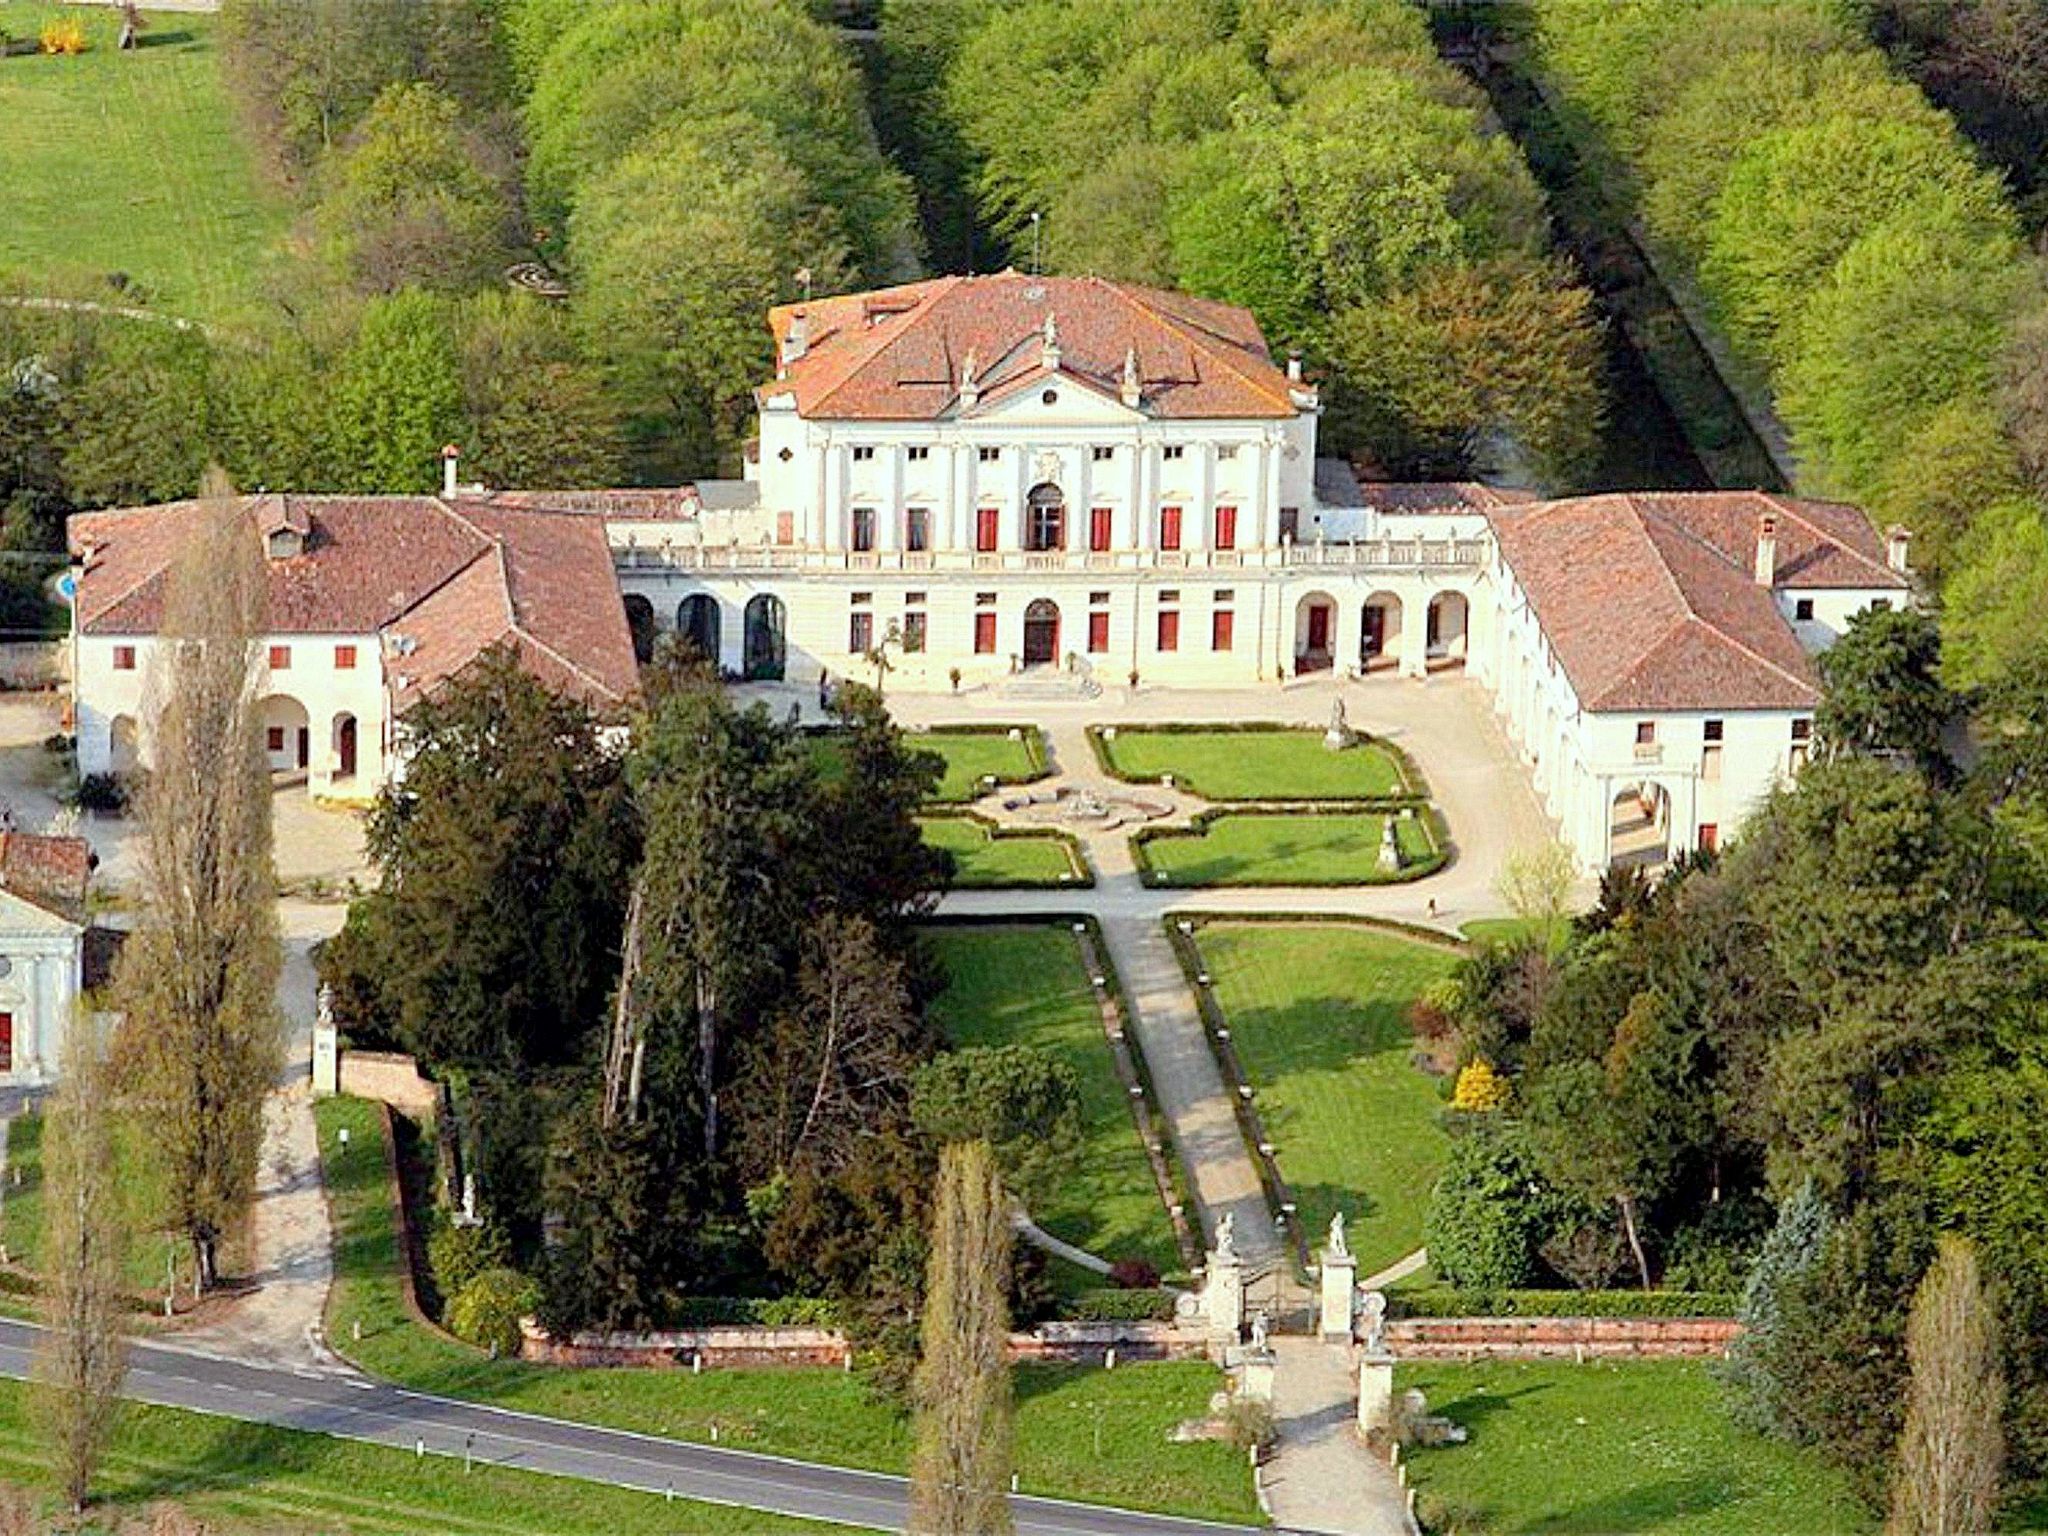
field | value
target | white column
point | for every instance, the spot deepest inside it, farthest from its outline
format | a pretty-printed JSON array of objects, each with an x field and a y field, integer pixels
[
  {"x": 1194, "y": 520},
  {"x": 1145, "y": 496},
  {"x": 1081, "y": 505},
  {"x": 1415, "y": 632},
  {"x": 1263, "y": 524},
  {"x": 832, "y": 512},
  {"x": 889, "y": 516},
  {"x": 1010, "y": 534},
  {"x": 949, "y": 534}
]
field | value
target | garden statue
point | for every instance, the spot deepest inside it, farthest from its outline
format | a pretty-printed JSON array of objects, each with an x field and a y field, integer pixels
[
  {"x": 1226, "y": 1238},
  {"x": 1373, "y": 1308},
  {"x": 1338, "y": 1244},
  {"x": 1339, "y": 735},
  {"x": 1390, "y": 849},
  {"x": 1259, "y": 1327}
]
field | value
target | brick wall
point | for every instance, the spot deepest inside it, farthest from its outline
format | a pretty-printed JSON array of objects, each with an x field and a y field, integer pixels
[
  {"x": 731, "y": 1347},
  {"x": 389, "y": 1079},
  {"x": 1548, "y": 1338}
]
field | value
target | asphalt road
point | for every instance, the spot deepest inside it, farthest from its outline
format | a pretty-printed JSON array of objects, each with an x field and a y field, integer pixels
[{"x": 357, "y": 1408}]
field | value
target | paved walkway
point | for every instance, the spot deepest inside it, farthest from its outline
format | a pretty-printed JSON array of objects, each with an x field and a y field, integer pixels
[{"x": 1322, "y": 1477}]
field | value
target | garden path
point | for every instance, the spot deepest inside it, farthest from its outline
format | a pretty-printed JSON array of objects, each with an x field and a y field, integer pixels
[{"x": 1322, "y": 1477}]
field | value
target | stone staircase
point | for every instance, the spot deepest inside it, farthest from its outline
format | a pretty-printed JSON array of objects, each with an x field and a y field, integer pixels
[{"x": 1049, "y": 685}]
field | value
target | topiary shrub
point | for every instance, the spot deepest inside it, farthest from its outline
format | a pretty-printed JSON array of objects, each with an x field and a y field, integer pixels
[
  {"x": 458, "y": 1254},
  {"x": 486, "y": 1312}
]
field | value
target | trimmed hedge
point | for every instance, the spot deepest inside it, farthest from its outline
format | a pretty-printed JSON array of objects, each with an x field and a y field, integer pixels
[
  {"x": 1083, "y": 875},
  {"x": 1416, "y": 786},
  {"x": 755, "y": 1311},
  {"x": 1153, "y": 1305},
  {"x": 1431, "y": 818},
  {"x": 1441, "y": 1301}
]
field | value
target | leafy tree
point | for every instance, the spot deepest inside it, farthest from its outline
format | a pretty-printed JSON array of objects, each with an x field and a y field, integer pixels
[
  {"x": 1990, "y": 622},
  {"x": 960, "y": 1469},
  {"x": 135, "y": 423},
  {"x": 1488, "y": 1212},
  {"x": 1953, "y": 1447},
  {"x": 416, "y": 198},
  {"x": 489, "y": 942},
  {"x": 396, "y": 395},
  {"x": 1884, "y": 689},
  {"x": 538, "y": 413},
  {"x": 197, "y": 980},
  {"x": 1023, "y": 1101}
]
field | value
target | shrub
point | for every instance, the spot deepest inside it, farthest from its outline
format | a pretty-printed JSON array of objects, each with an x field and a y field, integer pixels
[
  {"x": 1488, "y": 1212},
  {"x": 757, "y": 1311},
  {"x": 486, "y": 1312},
  {"x": 1250, "y": 1424},
  {"x": 458, "y": 1254},
  {"x": 64, "y": 35},
  {"x": 1125, "y": 1306},
  {"x": 1480, "y": 1090},
  {"x": 105, "y": 792},
  {"x": 1750, "y": 1374},
  {"x": 1131, "y": 1274},
  {"x": 1446, "y": 1301}
]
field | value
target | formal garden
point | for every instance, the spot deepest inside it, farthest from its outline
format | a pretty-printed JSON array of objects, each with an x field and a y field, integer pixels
[
  {"x": 1318, "y": 1020},
  {"x": 988, "y": 857},
  {"x": 978, "y": 758},
  {"x": 1280, "y": 847},
  {"x": 1255, "y": 762}
]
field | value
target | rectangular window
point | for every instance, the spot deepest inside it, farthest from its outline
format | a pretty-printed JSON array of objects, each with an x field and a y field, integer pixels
[
  {"x": 860, "y": 634},
  {"x": 1710, "y": 762},
  {"x": 913, "y": 634},
  {"x": 344, "y": 658},
  {"x": 1880, "y": 605},
  {"x": 1646, "y": 733},
  {"x": 863, "y": 528},
  {"x": 988, "y": 455},
  {"x": 1099, "y": 522},
  {"x": 917, "y": 455},
  {"x": 917, "y": 529},
  {"x": 1712, "y": 730},
  {"x": 1802, "y": 610},
  {"x": 785, "y": 528},
  {"x": 1802, "y": 730},
  {"x": 1290, "y": 524},
  {"x": 1098, "y": 599},
  {"x": 1710, "y": 837},
  {"x": 862, "y": 455},
  {"x": 1221, "y": 624},
  {"x": 1101, "y": 452},
  {"x": 1169, "y": 527},
  {"x": 124, "y": 658},
  {"x": 6, "y": 1042},
  {"x": 862, "y": 599},
  {"x": 984, "y": 634},
  {"x": 1173, "y": 451},
  {"x": 984, "y": 599},
  {"x": 1226, "y": 527},
  {"x": 1226, "y": 451},
  {"x": 1169, "y": 629},
  {"x": 273, "y": 738},
  {"x": 913, "y": 599},
  {"x": 985, "y": 529},
  {"x": 1098, "y": 633},
  {"x": 280, "y": 658}
]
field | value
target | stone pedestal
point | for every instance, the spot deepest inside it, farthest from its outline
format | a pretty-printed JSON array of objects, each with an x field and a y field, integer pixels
[
  {"x": 1375, "y": 1393},
  {"x": 1255, "y": 1376},
  {"x": 1223, "y": 1297},
  {"x": 1339, "y": 1274},
  {"x": 326, "y": 1060}
]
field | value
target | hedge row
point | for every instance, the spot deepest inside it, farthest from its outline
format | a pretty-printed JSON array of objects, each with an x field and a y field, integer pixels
[
  {"x": 1446, "y": 1302},
  {"x": 1416, "y": 790},
  {"x": 1149, "y": 1305},
  {"x": 756, "y": 1311}
]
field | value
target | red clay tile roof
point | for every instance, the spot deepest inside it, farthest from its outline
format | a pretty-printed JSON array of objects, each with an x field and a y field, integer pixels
[
  {"x": 469, "y": 575},
  {"x": 1436, "y": 495},
  {"x": 1651, "y": 603},
  {"x": 52, "y": 872},
  {"x": 898, "y": 354}
]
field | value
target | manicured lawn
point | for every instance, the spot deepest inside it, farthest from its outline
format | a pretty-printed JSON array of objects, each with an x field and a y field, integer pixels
[
  {"x": 1284, "y": 848},
  {"x": 816, "y": 1415},
  {"x": 21, "y": 1202},
  {"x": 972, "y": 755},
  {"x": 257, "y": 1478},
  {"x": 131, "y": 163},
  {"x": 1279, "y": 764},
  {"x": 1318, "y": 1013},
  {"x": 982, "y": 859},
  {"x": 1642, "y": 1447},
  {"x": 1025, "y": 985}
]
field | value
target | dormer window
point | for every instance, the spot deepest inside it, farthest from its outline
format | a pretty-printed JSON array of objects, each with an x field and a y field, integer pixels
[
  {"x": 285, "y": 544},
  {"x": 861, "y": 455}
]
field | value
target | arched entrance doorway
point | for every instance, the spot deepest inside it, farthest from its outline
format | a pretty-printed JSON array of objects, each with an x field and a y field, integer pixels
[
  {"x": 1379, "y": 634},
  {"x": 1041, "y": 633},
  {"x": 640, "y": 620},
  {"x": 287, "y": 734},
  {"x": 766, "y": 641},
  {"x": 1639, "y": 828},
  {"x": 344, "y": 745},
  {"x": 1045, "y": 519},
  {"x": 698, "y": 623},
  {"x": 1448, "y": 615},
  {"x": 1315, "y": 633},
  {"x": 124, "y": 752}
]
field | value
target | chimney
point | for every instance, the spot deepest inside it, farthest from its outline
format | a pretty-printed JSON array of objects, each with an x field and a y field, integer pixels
[
  {"x": 1132, "y": 390},
  {"x": 970, "y": 390},
  {"x": 1766, "y": 550},
  {"x": 1294, "y": 367},
  {"x": 1898, "y": 540},
  {"x": 1049, "y": 345},
  {"x": 797, "y": 339},
  {"x": 451, "y": 461}
]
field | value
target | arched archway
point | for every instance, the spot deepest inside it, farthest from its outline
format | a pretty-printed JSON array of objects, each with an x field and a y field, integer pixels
[
  {"x": 1041, "y": 633},
  {"x": 767, "y": 645},
  {"x": 1449, "y": 616},
  {"x": 287, "y": 733},
  {"x": 1045, "y": 518},
  {"x": 1315, "y": 633},
  {"x": 1379, "y": 633},
  {"x": 1639, "y": 827},
  {"x": 640, "y": 620},
  {"x": 342, "y": 743},
  {"x": 124, "y": 746},
  {"x": 699, "y": 622}
]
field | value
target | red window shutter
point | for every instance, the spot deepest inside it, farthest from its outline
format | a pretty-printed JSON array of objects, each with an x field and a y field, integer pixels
[
  {"x": 1226, "y": 527},
  {"x": 1221, "y": 625},
  {"x": 1169, "y": 527},
  {"x": 1098, "y": 529},
  {"x": 984, "y": 634},
  {"x": 280, "y": 658},
  {"x": 1098, "y": 633},
  {"x": 344, "y": 658},
  {"x": 785, "y": 527},
  {"x": 1169, "y": 629},
  {"x": 124, "y": 658},
  {"x": 985, "y": 531}
]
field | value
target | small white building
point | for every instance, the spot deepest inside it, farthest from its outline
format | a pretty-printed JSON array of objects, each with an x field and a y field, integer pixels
[
  {"x": 373, "y": 602},
  {"x": 49, "y": 951}
]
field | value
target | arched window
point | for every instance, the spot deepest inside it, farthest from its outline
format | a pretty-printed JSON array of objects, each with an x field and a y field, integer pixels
[{"x": 1045, "y": 519}]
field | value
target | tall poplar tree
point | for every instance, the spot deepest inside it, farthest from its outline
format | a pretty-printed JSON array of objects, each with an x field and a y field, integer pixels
[{"x": 1953, "y": 1445}]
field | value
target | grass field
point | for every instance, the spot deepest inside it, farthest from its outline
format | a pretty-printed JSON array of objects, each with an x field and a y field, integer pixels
[
  {"x": 972, "y": 755},
  {"x": 21, "y": 1203},
  {"x": 1279, "y": 764},
  {"x": 252, "y": 1477},
  {"x": 1025, "y": 985},
  {"x": 982, "y": 859},
  {"x": 131, "y": 163},
  {"x": 816, "y": 1415},
  {"x": 1283, "y": 848},
  {"x": 1318, "y": 1013},
  {"x": 1642, "y": 1447}
]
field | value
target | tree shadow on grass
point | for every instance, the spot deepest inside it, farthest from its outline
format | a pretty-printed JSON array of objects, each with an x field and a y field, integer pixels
[
  {"x": 1320, "y": 1034},
  {"x": 1472, "y": 1409},
  {"x": 166, "y": 39},
  {"x": 219, "y": 1457},
  {"x": 1647, "y": 1506}
]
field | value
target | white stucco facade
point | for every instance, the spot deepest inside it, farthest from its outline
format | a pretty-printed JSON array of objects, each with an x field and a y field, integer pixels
[{"x": 41, "y": 977}]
